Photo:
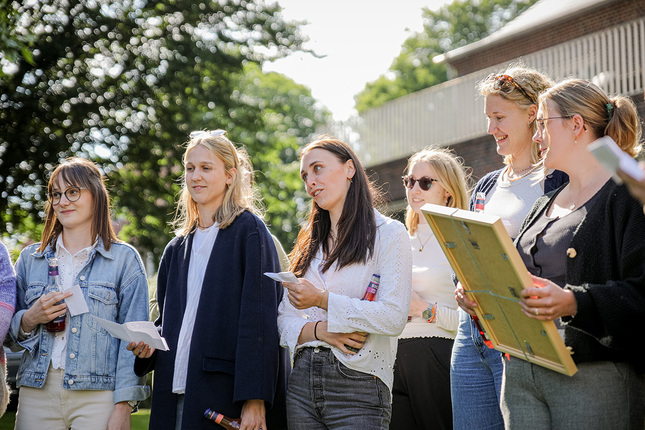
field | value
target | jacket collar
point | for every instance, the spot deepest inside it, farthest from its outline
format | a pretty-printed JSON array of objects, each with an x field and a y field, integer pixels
[{"x": 100, "y": 248}]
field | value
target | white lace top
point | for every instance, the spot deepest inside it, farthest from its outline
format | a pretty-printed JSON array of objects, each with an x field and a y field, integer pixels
[
  {"x": 432, "y": 280},
  {"x": 383, "y": 319}
]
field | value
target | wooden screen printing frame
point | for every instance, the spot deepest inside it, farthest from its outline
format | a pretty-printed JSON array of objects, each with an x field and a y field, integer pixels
[{"x": 493, "y": 274}]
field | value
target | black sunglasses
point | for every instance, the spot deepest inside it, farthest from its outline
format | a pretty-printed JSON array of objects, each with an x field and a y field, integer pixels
[{"x": 424, "y": 183}]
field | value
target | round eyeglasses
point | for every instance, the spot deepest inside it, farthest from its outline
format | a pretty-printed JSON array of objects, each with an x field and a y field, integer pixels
[
  {"x": 424, "y": 182},
  {"x": 72, "y": 194}
]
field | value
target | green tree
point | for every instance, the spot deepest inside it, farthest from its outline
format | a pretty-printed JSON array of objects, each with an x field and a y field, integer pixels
[
  {"x": 454, "y": 25},
  {"x": 123, "y": 83}
]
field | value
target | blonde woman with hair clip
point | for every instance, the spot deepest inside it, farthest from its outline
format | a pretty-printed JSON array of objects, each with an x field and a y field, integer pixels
[
  {"x": 510, "y": 102},
  {"x": 421, "y": 392},
  {"x": 584, "y": 246},
  {"x": 217, "y": 311}
]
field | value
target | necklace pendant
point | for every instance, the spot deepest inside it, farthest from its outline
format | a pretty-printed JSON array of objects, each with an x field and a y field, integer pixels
[{"x": 421, "y": 249}]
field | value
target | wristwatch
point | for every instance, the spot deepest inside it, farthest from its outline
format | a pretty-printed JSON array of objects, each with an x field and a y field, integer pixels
[
  {"x": 134, "y": 404},
  {"x": 430, "y": 314}
]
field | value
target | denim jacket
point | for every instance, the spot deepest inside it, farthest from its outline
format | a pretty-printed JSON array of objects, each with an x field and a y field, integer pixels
[{"x": 115, "y": 288}]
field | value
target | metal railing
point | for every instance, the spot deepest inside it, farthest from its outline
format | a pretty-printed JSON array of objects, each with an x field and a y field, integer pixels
[{"x": 453, "y": 111}]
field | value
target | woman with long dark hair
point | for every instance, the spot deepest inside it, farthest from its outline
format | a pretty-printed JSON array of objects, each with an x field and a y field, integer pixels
[{"x": 343, "y": 347}]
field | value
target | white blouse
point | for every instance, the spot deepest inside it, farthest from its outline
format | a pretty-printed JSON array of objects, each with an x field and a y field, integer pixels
[
  {"x": 432, "y": 280},
  {"x": 383, "y": 319}
]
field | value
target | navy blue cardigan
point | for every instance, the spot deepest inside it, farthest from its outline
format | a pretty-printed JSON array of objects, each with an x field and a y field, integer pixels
[{"x": 234, "y": 353}]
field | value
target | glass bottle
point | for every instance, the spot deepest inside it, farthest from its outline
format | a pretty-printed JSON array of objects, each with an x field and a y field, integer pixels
[
  {"x": 227, "y": 423},
  {"x": 370, "y": 295},
  {"x": 53, "y": 284}
]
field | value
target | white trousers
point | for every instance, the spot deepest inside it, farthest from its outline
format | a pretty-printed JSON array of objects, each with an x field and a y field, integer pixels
[{"x": 54, "y": 408}]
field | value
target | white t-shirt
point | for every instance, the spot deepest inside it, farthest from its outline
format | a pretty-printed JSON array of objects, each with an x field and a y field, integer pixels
[
  {"x": 203, "y": 241},
  {"x": 432, "y": 280},
  {"x": 512, "y": 201}
]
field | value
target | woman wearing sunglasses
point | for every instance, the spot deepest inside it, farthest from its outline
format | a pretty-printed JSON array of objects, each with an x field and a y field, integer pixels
[
  {"x": 584, "y": 245},
  {"x": 343, "y": 347},
  {"x": 421, "y": 393},
  {"x": 80, "y": 376},
  {"x": 510, "y": 101},
  {"x": 217, "y": 311}
]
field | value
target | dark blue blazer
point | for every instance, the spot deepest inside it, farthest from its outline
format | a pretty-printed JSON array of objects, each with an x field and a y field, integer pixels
[{"x": 234, "y": 353}]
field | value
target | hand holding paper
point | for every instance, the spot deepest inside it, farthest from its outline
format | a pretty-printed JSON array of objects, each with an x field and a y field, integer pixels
[
  {"x": 283, "y": 277},
  {"x": 135, "y": 331}
]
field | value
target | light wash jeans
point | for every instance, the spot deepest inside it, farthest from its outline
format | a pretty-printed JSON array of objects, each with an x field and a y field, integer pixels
[
  {"x": 475, "y": 380},
  {"x": 325, "y": 394}
]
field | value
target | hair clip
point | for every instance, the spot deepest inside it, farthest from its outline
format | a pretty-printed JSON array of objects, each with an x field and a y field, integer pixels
[{"x": 610, "y": 110}]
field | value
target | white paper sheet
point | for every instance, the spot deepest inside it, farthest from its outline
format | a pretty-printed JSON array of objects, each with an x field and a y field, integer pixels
[
  {"x": 135, "y": 331},
  {"x": 283, "y": 277},
  {"x": 76, "y": 304},
  {"x": 611, "y": 157}
]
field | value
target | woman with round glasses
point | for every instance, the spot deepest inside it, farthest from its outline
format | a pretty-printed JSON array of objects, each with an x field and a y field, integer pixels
[
  {"x": 510, "y": 105},
  {"x": 80, "y": 377},
  {"x": 584, "y": 246},
  {"x": 217, "y": 311},
  {"x": 343, "y": 347},
  {"x": 421, "y": 392}
]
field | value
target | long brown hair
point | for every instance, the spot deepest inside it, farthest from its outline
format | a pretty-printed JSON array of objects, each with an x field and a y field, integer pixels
[
  {"x": 79, "y": 172},
  {"x": 356, "y": 233}
]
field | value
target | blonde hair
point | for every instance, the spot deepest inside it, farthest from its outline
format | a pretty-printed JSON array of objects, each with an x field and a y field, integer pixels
[
  {"x": 239, "y": 196},
  {"x": 451, "y": 174},
  {"x": 532, "y": 82},
  {"x": 615, "y": 117}
]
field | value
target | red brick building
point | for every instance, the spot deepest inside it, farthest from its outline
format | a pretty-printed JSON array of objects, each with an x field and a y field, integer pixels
[{"x": 599, "y": 40}]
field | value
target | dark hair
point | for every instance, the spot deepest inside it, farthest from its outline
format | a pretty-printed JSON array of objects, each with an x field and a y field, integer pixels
[
  {"x": 80, "y": 172},
  {"x": 356, "y": 226}
]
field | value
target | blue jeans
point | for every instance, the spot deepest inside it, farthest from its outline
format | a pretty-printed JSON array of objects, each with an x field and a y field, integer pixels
[
  {"x": 325, "y": 394},
  {"x": 475, "y": 380}
]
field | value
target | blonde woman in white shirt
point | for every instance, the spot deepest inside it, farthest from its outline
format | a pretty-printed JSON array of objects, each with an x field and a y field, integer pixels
[
  {"x": 343, "y": 347},
  {"x": 421, "y": 395}
]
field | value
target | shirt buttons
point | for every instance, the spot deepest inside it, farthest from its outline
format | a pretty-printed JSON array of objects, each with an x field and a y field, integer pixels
[
  {"x": 74, "y": 329},
  {"x": 571, "y": 253},
  {"x": 70, "y": 382},
  {"x": 72, "y": 355},
  {"x": 82, "y": 278}
]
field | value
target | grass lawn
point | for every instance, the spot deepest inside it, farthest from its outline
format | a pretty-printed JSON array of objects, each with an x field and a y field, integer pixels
[{"x": 139, "y": 420}]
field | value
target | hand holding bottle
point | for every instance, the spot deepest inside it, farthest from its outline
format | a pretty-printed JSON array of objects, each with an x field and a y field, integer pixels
[{"x": 45, "y": 309}]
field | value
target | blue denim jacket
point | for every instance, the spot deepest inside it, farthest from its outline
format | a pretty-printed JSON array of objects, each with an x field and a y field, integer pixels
[{"x": 115, "y": 288}]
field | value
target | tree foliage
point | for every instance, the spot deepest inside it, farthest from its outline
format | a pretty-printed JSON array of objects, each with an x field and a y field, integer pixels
[
  {"x": 123, "y": 82},
  {"x": 454, "y": 25}
]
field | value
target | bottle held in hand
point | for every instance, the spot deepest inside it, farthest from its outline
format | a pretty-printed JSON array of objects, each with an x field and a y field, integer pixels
[
  {"x": 227, "y": 423},
  {"x": 370, "y": 295},
  {"x": 53, "y": 284}
]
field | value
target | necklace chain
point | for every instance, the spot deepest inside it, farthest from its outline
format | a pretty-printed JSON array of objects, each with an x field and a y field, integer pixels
[
  {"x": 424, "y": 243},
  {"x": 530, "y": 170}
]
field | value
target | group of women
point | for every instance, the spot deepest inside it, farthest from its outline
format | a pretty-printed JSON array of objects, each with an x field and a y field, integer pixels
[{"x": 373, "y": 325}]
